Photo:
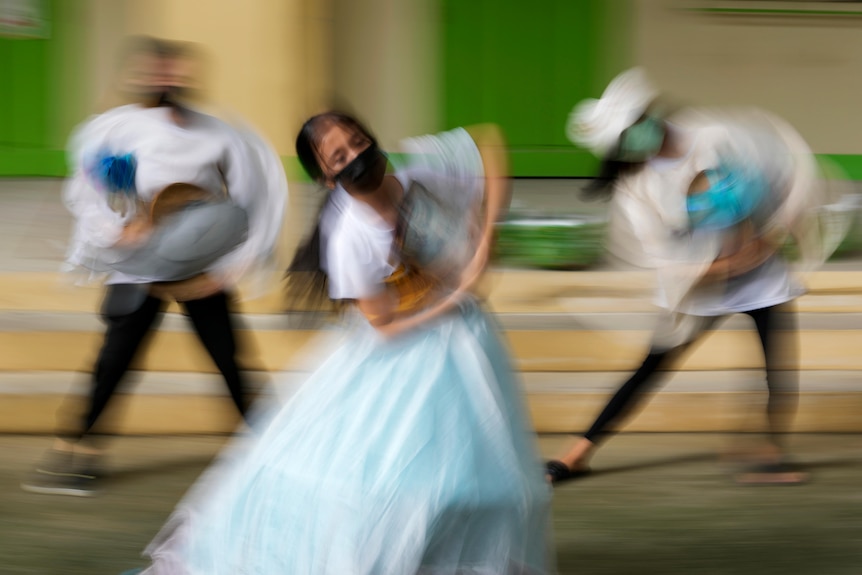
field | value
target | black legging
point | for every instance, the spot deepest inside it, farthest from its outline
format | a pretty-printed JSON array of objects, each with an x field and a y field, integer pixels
[
  {"x": 210, "y": 317},
  {"x": 781, "y": 383}
]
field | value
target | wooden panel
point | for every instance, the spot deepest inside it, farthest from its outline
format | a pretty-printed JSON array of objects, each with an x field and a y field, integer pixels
[
  {"x": 533, "y": 350},
  {"x": 508, "y": 291},
  {"x": 697, "y": 412},
  {"x": 557, "y": 413}
]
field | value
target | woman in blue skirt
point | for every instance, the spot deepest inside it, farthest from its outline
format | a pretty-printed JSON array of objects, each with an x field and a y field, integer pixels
[{"x": 408, "y": 451}]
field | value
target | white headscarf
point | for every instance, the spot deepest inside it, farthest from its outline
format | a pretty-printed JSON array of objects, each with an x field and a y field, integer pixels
[{"x": 597, "y": 124}]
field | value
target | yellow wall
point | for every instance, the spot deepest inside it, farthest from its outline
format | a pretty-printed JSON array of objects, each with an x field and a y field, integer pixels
[
  {"x": 267, "y": 60},
  {"x": 385, "y": 65},
  {"x": 275, "y": 62},
  {"x": 807, "y": 69},
  {"x": 69, "y": 104}
]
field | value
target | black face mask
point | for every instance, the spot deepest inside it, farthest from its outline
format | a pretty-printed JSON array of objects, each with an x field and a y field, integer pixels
[
  {"x": 168, "y": 96},
  {"x": 365, "y": 173}
]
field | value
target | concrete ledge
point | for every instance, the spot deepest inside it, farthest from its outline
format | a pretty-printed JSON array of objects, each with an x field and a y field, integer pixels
[
  {"x": 552, "y": 413},
  {"x": 698, "y": 412},
  {"x": 532, "y": 350},
  {"x": 508, "y": 290},
  {"x": 575, "y": 335},
  {"x": 41, "y": 321},
  {"x": 170, "y": 403},
  {"x": 284, "y": 383}
]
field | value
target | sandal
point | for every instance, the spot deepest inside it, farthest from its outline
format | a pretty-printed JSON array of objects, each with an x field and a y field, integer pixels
[
  {"x": 772, "y": 474},
  {"x": 559, "y": 472}
]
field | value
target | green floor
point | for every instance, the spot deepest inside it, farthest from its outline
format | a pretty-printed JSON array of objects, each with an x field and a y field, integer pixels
[{"x": 658, "y": 504}]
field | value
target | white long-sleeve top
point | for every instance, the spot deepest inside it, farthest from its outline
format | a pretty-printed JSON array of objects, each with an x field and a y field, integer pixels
[
  {"x": 649, "y": 222},
  {"x": 203, "y": 151}
]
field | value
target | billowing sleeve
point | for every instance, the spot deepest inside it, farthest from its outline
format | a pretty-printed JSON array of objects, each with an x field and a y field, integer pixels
[
  {"x": 97, "y": 225},
  {"x": 255, "y": 181},
  {"x": 817, "y": 207},
  {"x": 453, "y": 159}
]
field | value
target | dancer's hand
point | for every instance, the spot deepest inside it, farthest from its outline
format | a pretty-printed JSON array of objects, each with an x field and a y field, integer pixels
[
  {"x": 474, "y": 270},
  {"x": 753, "y": 254},
  {"x": 198, "y": 287},
  {"x": 135, "y": 234},
  {"x": 492, "y": 147}
]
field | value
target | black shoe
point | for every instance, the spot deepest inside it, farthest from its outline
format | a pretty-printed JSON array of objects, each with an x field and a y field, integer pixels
[
  {"x": 558, "y": 472},
  {"x": 63, "y": 473}
]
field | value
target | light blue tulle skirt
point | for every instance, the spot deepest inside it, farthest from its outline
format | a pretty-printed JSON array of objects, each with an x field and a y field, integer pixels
[{"x": 399, "y": 457}]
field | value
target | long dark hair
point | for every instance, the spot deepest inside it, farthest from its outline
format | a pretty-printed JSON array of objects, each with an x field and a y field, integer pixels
[
  {"x": 307, "y": 282},
  {"x": 612, "y": 169}
]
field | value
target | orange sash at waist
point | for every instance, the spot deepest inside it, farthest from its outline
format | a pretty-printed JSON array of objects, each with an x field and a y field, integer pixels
[{"x": 414, "y": 289}]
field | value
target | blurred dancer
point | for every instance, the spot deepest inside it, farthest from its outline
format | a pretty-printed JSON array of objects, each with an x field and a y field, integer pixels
[
  {"x": 707, "y": 202},
  {"x": 151, "y": 181},
  {"x": 407, "y": 451}
]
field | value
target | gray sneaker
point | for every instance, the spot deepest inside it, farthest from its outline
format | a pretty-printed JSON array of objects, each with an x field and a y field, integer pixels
[{"x": 64, "y": 473}]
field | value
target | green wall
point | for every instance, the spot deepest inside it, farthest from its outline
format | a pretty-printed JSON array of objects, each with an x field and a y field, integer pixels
[
  {"x": 524, "y": 65},
  {"x": 38, "y": 95}
]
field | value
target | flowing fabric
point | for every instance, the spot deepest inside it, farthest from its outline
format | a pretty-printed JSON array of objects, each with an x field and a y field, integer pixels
[{"x": 395, "y": 457}]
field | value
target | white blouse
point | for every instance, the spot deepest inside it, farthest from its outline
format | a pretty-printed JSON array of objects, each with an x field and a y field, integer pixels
[
  {"x": 649, "y": 228},
  {"x": 357, "y": 243}
]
